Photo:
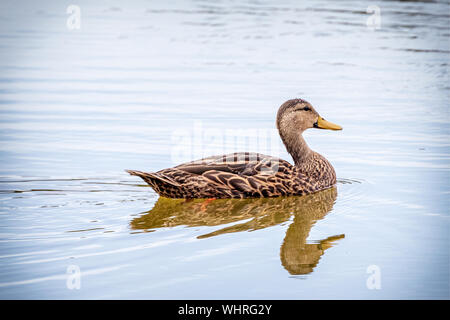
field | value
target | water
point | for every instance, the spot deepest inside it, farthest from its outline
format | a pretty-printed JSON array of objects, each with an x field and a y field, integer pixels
[{"x": 146, "y": 85}]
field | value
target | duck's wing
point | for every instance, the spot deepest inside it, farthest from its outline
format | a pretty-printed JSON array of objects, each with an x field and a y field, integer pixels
[
  {"x": 236, "y": 175},
  {"x": 240, "y": 163}
]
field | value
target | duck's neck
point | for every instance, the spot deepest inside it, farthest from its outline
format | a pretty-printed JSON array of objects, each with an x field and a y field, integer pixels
[{"x": 297, "y": 147}]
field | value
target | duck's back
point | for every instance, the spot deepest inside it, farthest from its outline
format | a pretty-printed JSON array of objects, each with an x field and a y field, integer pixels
[{"x": 241, "y": 163}]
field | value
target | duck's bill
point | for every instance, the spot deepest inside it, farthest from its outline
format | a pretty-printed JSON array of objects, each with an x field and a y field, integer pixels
[{"x": 324, "y": 124}]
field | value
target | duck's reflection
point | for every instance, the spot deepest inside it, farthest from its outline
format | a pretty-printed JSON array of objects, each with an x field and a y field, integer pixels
[{"x": 297, "y": 256}]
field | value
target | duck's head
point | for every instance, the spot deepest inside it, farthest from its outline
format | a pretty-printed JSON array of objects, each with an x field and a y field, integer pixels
[{"x": 297, "y": 115}]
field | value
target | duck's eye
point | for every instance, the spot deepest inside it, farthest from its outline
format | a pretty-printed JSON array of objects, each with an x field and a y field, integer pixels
[{"x": 303, "y": 109}]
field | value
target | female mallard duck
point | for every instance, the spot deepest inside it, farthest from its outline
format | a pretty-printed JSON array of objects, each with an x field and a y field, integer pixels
[{"x": 246, "y": 175}]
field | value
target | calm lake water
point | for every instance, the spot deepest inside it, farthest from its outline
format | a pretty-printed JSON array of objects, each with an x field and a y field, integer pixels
[{"x": 149, "y": 84}]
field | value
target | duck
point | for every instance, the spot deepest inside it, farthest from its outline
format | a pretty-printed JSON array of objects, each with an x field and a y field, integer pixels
[{"x": 250, "y": 174}]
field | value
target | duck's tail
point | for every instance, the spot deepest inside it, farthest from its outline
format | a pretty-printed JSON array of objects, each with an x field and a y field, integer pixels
[
  {"x": 162, "y": 185},
  {"x": 153, "y": 178}
]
